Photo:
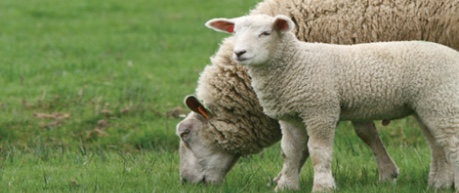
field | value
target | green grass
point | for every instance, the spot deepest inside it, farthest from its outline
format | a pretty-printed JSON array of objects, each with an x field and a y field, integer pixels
[
  {"x": 86, "y": 93},
  {"x": 78, "y": 169},
  {"x": 128, "y": 63}
]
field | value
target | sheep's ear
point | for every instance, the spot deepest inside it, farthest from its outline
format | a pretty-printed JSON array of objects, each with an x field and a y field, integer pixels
[
  {"x": 196, "y": 106},
  {"x": 283, "y": 23},
  {"x": 221, "y": 25}
]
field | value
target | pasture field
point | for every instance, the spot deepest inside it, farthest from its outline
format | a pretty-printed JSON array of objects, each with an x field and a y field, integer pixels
[{"x": 91, "y": 90}]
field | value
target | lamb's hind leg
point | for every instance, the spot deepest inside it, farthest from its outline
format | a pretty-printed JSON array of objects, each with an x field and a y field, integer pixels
[
  {"x": 366, "y": 130},
  {"x": 441, "y": 173}
]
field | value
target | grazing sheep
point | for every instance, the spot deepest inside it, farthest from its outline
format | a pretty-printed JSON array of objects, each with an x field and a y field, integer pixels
[
  {"x": 342, "y": 22},
  {"x": 230, "y": 125},
  {"x": 309, "y": 87}
]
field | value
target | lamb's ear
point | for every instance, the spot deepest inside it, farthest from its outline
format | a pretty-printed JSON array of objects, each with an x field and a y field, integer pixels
[
  {"x": 196, "y": 106},
  {"x": 221, "y": 25},
  {"x": 283, "y": 23}
]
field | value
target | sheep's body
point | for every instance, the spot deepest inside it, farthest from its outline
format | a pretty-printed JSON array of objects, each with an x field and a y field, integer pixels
[
  {"x": 342, "y": 22},
  {"x": 309, "y": 87},
  {"x": 372, "y": 81},
  {"x": 362, "y": 21}
]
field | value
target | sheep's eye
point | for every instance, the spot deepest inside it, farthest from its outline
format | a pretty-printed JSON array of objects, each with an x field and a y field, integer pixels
[{"x": 266, "y": 33}]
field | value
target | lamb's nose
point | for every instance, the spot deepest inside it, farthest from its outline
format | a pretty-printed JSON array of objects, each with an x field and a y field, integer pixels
[{"x": 239, "y": 53}]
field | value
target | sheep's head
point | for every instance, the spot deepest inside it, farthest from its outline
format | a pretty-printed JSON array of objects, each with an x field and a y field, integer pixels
[
  {"x": 256, "y": 37},
  {"x": 201, "y": 161}
]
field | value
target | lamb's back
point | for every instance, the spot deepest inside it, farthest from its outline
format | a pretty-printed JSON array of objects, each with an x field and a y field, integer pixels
[{"x": 389, "y": 77}]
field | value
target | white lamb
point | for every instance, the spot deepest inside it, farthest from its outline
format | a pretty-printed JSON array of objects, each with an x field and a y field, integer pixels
[
  {"x": 232, "y": 124},
  {"x": 309, "y": 87}
]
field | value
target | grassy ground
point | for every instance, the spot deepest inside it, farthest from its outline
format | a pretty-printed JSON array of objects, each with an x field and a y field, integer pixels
[{"x": 90, "y": 92}]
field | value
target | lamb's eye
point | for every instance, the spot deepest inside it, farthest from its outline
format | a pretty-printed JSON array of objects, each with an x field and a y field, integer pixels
[{"x": 265, "y": 33}]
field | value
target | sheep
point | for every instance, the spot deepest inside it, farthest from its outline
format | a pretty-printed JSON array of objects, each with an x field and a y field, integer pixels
[
  {"x": 310, "y": 87},
  {"x": 342, "y": 22},
  {"x": 231, "y": 124}
]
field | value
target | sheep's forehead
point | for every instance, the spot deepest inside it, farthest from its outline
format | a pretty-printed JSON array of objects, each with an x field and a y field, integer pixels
[{"x": 254, "y": 22}]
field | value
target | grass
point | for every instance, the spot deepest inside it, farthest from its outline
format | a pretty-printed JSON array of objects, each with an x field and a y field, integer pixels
[
  {"x": 91, "y": 91},
  {"x": 127, "y": 63}
]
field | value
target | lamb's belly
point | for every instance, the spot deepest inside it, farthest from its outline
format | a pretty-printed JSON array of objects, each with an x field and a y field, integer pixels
[{"x": 375, "y": 113}]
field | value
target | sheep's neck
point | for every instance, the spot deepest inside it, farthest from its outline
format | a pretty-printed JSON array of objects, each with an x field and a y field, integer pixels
[
  {"x": 286, "y": 52},
  {"x": 288, "y": 49},
  {"x": 268, "y": 79}
]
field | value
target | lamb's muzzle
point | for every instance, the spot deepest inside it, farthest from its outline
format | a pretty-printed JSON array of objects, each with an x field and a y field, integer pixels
[
  {"x": 240, "y": 56},
  {"x": 239, "y": 53}
]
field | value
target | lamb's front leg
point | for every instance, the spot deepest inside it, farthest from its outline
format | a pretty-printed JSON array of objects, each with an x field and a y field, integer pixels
[
  {"x": 295, "y": 152},
  {"x": 321, "y": 131}
]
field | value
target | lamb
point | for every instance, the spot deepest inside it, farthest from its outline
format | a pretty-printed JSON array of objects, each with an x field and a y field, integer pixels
[
  {"x": 342, "y": 22},
  {"x": 309, "y": 87},
  {"x": 232, "y": 124}
]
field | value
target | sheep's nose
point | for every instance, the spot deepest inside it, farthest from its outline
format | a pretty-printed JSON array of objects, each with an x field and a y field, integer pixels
[
  {"x": 239, "y": 53},
  {"x": 183, "y": 180}
]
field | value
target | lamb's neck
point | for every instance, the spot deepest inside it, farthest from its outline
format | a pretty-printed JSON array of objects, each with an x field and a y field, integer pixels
[
  {"x": 288, "y": 50},
  {"x": 268, "y": 79}
]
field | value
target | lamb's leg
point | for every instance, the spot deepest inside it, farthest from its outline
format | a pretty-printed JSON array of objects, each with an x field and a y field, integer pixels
[
  {"x": 305, "y": 152},
  {"x": 441, "y": 174},
  {"x": 321, "y": 131},
  {"x": 295, "y": 152},
  {"x": 452, "y": 150},
  {"x": 367, "y": 131}
]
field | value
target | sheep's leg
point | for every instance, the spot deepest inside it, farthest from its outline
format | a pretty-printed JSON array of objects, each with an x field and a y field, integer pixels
[
  {"x": 367, "y": 131},
  {"x": 452, "y": 150},
  {"x": 295, "y": 152},
  {"x": 305, "y": 152},
  {"x": 304, "y": 157},
  {"x": 440, "y": 175},
  {"x": 321, "y": 131}
]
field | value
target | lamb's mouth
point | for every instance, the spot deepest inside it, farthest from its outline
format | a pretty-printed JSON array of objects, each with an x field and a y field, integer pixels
[{"x": 242, "y": 60}]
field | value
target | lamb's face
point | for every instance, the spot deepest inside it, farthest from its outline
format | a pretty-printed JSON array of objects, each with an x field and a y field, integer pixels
[
  {"x": 253, "y": 42},
  {"x": 201, "y": 159},
  {"x": 256, "y": 37}
]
